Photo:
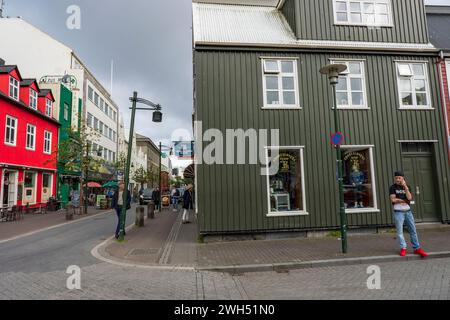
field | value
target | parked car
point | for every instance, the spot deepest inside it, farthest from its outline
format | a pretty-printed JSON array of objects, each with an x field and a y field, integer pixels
[{"x": 146, "y": 196}]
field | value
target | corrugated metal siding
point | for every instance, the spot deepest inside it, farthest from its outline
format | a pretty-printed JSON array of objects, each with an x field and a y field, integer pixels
[
  {"x": 288, "y": 11},
  {"x": 229, "y": 95},
  {"x": 316, "y": 22},
  {"x": 267, "y": 27}
]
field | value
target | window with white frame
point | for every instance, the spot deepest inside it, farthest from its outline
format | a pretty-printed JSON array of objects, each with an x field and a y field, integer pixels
[
  {"x": 280, "y": 83},
  {"x": 48, "y": 107},
  {"x": 91, "y": 93},
  {"x": 95, "y": 124},
  {"x": 359, "y": 179},
  {"x": 351, "y": 89},
  {"x": 99, "y": 152},
  {"x": 31, "y": 137},
  {"x": 413, "y": 85},
  {"x": 66, "y": 112},
  {"x": 90, "y": 120},
  {"x": 14, "y": 88},
  {"x": 10, "y": 131},
  {"x": 96, "y": 98},
  {"x": 363, "y": 12},
  {"x": 102, "y": 104},
  {"x": 33, "y": 99},
  {"x": 286, "y": 184},
  {"x": 47, "y": 142}
]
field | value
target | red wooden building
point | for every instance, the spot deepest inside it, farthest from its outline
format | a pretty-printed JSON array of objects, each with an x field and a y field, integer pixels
[
  {"x": 438, "y": 19},
  {"x": 28, "y": 140}
]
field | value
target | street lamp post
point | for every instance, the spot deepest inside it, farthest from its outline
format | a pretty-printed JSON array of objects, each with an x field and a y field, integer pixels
[
  {"x": 333, "y": 71},
  {"x": 157, "y": 117}
]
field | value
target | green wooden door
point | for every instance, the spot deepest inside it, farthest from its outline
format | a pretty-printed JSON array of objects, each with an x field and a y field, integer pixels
[
  {"x": 65, "y": 189},
  {"x": 419, "y": 174}
]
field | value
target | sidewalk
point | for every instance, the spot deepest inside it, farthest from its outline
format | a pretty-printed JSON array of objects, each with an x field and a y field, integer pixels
[
  {"x": 164, "y": 241},
  {"x": 36, "y": 222}
]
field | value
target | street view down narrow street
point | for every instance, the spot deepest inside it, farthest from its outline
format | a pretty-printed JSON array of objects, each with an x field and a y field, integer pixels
[{"x": 225, "y": 158}]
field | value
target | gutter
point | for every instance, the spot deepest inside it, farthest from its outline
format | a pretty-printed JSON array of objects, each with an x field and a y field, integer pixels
[{"x": 305, "y": 44}]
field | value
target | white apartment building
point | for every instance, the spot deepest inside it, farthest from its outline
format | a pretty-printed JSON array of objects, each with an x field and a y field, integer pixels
[
  {"x": 42, "y": 57},
  {"x": 138, "y": 156}
]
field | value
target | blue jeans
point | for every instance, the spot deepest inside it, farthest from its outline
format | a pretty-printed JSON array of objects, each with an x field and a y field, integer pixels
[
  {"x": 400, "y": 218},
  {"x": 175, "y": 203},
  {"x": 119, "y": 212}
]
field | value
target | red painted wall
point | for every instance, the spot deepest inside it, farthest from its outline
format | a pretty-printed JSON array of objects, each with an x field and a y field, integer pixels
[
  {"x": 19, "y": 154},
  {"x": 445, "y": 73},
  {"x": 4, "y": 81},
  {"x": 42, "y": 103},
  {"x": 25, "y": 94}
]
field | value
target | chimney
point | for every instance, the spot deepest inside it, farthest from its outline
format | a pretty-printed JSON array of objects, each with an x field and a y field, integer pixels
[{"x": 2, "y": 62}]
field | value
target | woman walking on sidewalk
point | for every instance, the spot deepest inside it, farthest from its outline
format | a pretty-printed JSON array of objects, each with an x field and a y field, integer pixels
[
  {"x": 188, "y": 203},
  {"x": 117, "y": 204}
]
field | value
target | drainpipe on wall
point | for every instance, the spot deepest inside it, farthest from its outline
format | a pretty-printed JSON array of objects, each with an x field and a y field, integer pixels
[{"x": 440, "y": 60}]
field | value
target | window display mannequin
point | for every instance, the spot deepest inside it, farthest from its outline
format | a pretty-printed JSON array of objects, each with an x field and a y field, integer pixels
[{"x": 357, "y": 179}]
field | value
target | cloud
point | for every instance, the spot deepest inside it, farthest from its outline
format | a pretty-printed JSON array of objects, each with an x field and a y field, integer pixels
[{"x": 149, "y": 41}]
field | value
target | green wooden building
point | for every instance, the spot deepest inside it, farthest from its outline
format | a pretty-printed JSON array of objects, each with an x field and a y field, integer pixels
[
  {"x": 256, "y": 67},
  {"x": 67, "y": 109}
]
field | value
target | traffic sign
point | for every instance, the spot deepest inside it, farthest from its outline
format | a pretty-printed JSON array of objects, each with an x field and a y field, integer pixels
[{"x": 337, "y": 139}]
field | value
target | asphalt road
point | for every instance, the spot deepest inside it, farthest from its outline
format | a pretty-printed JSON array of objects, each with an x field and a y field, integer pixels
[
  {"x": 34, "y": 267},
  {"x": 58, "y": 248}
]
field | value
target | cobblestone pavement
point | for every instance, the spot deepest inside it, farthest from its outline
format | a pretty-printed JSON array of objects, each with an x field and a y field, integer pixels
[
  {"x": 427, "y": 279},
  {"x": 34, "y": 267}
]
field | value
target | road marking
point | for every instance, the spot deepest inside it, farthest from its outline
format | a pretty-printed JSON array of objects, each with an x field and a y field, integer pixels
[
  {"x": 170, "y": 242},
  {"x": 52, "y": 227}
]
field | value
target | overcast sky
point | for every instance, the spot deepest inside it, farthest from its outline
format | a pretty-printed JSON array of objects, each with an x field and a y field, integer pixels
[{"x": 150, "y": 42}]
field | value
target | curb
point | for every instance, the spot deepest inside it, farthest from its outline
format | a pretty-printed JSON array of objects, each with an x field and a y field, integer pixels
[
  {"x": 280, "y": 267},
  {"x": 99, "y": 253}
]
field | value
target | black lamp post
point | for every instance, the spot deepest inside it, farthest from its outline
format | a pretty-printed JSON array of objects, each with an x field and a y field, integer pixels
[
  {"x": 333, "y": 71},
  {"x": 157, "y": 117}
]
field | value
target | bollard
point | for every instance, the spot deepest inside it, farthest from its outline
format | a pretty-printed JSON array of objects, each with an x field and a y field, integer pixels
[
  {"x": 139, "y": 221},
  {"x": 69, "y": 212},
  {"x": 151, "y": 210}
]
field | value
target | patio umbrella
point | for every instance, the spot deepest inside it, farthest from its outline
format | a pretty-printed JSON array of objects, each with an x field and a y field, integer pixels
[
  {"x": 111, "y": 184},
  {"x": 94, "y": 185}
]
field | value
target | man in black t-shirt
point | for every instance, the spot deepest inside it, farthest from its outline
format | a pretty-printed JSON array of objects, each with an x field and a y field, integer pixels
[{"x": 401, "y": 199}]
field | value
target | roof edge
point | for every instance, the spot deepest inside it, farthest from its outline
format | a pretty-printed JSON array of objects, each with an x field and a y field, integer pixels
[
  {"x": 314, "y": 44},
  {"x": 437, "y": 9}
]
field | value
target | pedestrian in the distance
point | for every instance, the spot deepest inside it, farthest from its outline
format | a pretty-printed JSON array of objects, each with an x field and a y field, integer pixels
[
  {"x": 117, "y": 204},
  {"x": 175, "y": 195},
  {"x": 188, "y": 203},
  {"x": 156, "y": 196},
  {"x": 401, "y": 199}
]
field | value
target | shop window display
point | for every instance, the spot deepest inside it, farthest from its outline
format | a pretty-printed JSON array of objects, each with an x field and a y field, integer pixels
[
  {"x": 286, "y": 190},
  {"x": 358, "y": 180}
]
